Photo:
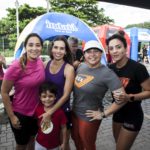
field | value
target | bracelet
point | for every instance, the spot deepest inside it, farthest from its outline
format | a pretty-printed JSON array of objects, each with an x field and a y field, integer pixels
[{"x": 103, "y": 115}]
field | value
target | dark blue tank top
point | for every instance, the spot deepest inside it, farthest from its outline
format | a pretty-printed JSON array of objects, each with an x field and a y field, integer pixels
[{"x": 59, "y": 80}]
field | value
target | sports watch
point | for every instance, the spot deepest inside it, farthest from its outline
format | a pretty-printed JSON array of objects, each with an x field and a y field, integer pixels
[{"x": 132, "y": 98}]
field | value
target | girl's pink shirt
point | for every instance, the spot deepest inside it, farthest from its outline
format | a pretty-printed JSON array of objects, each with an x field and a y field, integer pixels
[{"x": 26, "y": 85}]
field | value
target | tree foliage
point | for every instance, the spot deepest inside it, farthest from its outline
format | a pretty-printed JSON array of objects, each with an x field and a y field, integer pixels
[
  {"x": 8, "y": 24},
  {"x": 140, "y": 25},
  {"x": 86, "y": 10}
]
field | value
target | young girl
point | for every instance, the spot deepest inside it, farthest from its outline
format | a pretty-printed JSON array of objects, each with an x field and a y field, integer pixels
[{"x": 49, "y": 138}]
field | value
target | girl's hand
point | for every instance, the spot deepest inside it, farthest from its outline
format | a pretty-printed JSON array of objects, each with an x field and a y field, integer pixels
[
  {"x": 15, "y": 122},
  {"x": 94, "y": 115}
]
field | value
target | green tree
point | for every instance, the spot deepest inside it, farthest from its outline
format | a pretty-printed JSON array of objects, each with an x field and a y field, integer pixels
[
  {"x": 8, "y": 24},
  {"x": 86, "y": 10},
  {"x": 140, "y": 25}
]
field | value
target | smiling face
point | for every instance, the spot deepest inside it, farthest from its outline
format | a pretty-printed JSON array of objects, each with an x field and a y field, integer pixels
[
  {"x": 58, "y": 50},
  {"x": 33, "y": 48},
  {"x": 93, "y": 57},
  {"x": 47, "y": 98},
  {"x": 117, "y": 50}
]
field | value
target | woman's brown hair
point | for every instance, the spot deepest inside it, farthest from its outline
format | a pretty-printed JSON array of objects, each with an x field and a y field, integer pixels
[{"x": 68, "y": 56}]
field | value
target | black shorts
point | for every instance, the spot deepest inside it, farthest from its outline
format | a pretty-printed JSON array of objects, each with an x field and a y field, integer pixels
[
  {"x": 69, "y": 122},
  {"x": 29, "y": 128},
  {"x": 131, "y": 115},
  {"x": 0, "y": 84}
]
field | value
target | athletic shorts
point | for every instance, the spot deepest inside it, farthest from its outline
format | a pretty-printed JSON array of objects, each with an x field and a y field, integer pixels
[
  {"x": 131, "y": 115},
  {"x": 28, "y": 129},
  {"x": 0, "y": 84},
  {"x": 69, "y": 122}
]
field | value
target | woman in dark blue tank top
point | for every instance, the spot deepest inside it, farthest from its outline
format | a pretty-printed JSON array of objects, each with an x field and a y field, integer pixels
[{"x": 59, "y": 71}]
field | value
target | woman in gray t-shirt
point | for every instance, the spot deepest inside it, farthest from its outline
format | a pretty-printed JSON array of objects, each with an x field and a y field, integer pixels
[{"x": 91, "y": 83}]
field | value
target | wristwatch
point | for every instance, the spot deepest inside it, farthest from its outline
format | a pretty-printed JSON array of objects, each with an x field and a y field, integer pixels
[{"x": 132, "y": 98}]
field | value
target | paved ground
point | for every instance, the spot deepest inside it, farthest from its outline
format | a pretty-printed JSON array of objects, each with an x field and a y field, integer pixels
[{"x": 105, "y": 139}]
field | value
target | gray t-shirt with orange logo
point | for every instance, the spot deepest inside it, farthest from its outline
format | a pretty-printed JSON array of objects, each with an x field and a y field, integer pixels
[{"x": 90, "y": 87}]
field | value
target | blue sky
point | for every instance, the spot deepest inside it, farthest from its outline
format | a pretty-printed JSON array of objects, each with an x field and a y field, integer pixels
[{"x": 123, "y": 15}]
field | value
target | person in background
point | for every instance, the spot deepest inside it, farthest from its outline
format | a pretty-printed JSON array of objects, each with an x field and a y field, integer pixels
[
  {"x": 57, "y": 124},
  {"x": 25, "y": 75},
  {"x": 144, "y": 52},
  {"x": 148, "y": 53},
  {"x": 59, "y": 71},
  {"x": 2, "y": 66},
  {"x": 77, "y": 53},
  {"x": 77, "y": 56},
  {"x": 134, "y": 76},
  {"x": 91, "y": 83}
]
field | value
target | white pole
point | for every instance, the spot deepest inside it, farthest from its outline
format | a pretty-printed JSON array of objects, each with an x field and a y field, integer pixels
[
  {"x": 48, "y": 8},
  {"x": 17, "y": 17},
  {"x": 48, "y": 5}
]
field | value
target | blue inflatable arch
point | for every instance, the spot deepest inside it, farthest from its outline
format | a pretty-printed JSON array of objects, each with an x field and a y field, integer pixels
[{"x": 52, "y": 24}]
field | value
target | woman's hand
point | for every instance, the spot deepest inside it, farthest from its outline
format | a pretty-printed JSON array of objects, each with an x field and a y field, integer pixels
[
  {"x": 15, "y": 122},
  {"x": 46, "y": 117},
  {"x": 94, "y": 115}
]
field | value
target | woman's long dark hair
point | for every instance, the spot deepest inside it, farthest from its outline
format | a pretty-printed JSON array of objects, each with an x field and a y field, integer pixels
[
  {"x": 68, "y": 56},
  {"x": 23, "y": 58}
]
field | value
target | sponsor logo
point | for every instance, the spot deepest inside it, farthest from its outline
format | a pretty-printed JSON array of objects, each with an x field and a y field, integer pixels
[
  {"x": 59, "y": 27},
  {"x": 82, "y": 79},
  {"x": 125, "y": 81}
]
